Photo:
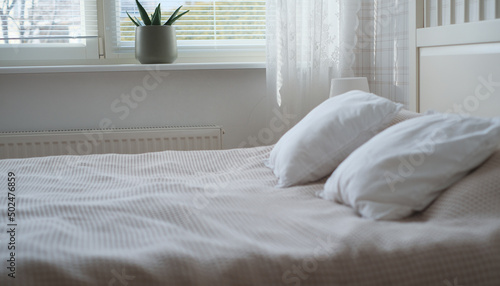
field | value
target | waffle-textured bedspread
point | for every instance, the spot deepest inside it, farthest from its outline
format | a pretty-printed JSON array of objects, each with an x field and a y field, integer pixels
[{"x": 215, "y": 218}]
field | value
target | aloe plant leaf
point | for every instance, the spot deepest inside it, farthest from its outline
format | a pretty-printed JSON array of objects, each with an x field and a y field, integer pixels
[
  {"x": 156, "y": 17},
  {"x": 177, "y": 17},
  {"x": 144, "y": 14},
  {"x": 139, "y": 21},
  {"x": 132, "y": 19},
  {"x": 169, "y": 21}
]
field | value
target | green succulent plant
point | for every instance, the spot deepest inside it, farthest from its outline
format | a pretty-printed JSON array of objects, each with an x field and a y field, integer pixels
[{"x": 155, "y": 17}]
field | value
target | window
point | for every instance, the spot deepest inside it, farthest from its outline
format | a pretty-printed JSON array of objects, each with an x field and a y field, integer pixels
[
  {"x": 48, "y": 29},
  {"x": 92, "y": 29},
  {"x": 211, "y": 28}
]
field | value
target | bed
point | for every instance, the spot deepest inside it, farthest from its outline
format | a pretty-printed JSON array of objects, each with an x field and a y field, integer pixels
[{"x": 216, "y": 218}]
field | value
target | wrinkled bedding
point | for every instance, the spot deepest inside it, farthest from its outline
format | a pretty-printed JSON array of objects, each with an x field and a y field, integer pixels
[{"x": 215, "y": 218}]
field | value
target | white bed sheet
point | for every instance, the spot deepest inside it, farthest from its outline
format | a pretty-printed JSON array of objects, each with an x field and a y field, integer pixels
[{"x": 215, "y": 218}]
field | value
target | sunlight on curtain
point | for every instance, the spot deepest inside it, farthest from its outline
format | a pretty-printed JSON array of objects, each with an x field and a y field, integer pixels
[
  {"x": 382, "y": 49},
  {"x": 309, "y": 42}
]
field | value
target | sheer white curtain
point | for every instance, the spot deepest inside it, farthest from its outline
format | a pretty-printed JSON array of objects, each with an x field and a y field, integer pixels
[
  {"x": 382, "y": 49},
  {"x": 309, "y": 42}
]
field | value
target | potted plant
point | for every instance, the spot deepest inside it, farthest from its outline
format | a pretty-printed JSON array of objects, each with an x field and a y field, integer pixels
[{"x": 155, "y": 43}]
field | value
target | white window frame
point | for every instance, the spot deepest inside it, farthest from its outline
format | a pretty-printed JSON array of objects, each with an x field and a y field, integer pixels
[
  {"x": 22, "y": 54},
  {"x": 99, "y": 50},
  {"x": 187, "y": 53}
]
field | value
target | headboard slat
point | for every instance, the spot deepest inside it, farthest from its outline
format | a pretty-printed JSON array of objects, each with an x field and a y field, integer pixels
[{"x": 453, "y": 13}]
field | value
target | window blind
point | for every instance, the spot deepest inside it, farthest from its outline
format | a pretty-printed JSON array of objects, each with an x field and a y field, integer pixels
[
  {"x": 47, "y": 21},
  {"x": 209, "y": 23}
]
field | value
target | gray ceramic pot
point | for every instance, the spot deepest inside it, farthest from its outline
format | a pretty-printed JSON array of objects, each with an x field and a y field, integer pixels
[{"x": 155, "y": 44}]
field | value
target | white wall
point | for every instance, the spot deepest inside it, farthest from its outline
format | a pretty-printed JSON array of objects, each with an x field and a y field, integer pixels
[{"x": 235, "y": 99}]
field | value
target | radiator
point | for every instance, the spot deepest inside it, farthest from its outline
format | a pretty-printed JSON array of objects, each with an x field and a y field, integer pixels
[{"x": 121, "y": 141}]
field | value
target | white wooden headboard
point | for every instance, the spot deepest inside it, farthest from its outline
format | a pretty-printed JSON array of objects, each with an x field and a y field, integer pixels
[{"x": 455, "y": 56}]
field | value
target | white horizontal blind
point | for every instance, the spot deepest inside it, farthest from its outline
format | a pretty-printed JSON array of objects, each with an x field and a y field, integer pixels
[
  {"x": 47, "y": 21},
  {"x": 208, "y": 24}
]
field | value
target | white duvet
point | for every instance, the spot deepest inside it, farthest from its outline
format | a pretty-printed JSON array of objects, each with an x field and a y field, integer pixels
[{"x": 214, "y": 218}]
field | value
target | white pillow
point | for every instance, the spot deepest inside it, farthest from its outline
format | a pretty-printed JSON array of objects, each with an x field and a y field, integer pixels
[
  {"x": 404, "y": 168},
  {"x": 314, "y": 147}
]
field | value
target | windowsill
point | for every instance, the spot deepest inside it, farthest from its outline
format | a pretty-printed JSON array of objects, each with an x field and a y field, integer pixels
[{"x": 129, "y": 67}]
